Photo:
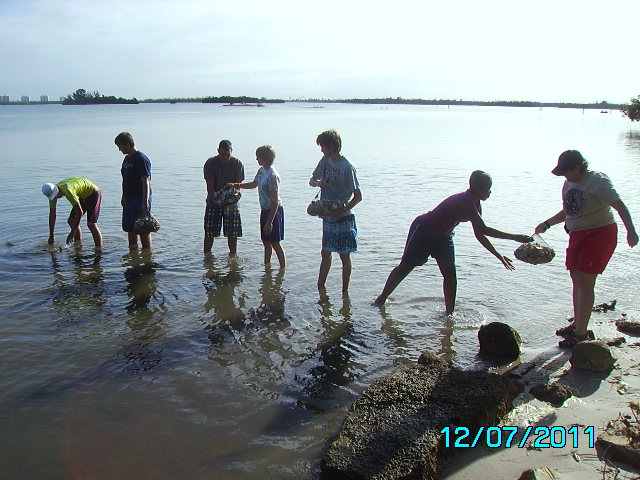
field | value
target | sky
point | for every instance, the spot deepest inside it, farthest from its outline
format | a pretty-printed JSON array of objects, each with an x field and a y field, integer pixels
[{"x": 547, "y": 50}]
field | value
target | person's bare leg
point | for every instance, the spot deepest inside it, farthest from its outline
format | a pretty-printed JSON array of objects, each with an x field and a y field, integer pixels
[
  {"x": 397, "y": 275},
  {"x": 233, "y": 244},
  {"x": 97, "y": 234},
  {"x": 583, "y": 299},
  {"x": 145, "y": 240},
  {"x": 208, "y": 244},
  {"x": 346, "y": 271},
  {"x": 280, "y": 254},
  {"x": 133, "y": 240},
  {"x": 449, "y": 284},
  {"x": 267, "y": 252},
  {"x": 325, "y": 266}
]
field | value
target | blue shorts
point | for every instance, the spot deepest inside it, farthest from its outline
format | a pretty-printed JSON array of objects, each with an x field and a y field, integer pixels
[
  {"x": 340, "y": 236},
  {"x": 131, "y": 211},
  {"x": 420, "y": 246},
  {"x": 277, "y": 232}
]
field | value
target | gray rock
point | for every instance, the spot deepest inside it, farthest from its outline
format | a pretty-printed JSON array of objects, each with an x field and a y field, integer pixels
[
  {"x": 544, "y": 473},
  {"x": 394, "y": 430},
  {"x": 592, "y": 355},
  {"x": 554, "y": 393},
  {"x": 627, "y": 326},
  {"x": 499, "y": 339}
]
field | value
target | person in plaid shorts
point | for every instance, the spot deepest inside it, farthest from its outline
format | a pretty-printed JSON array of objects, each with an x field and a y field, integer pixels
[{"x": 218, "y": 172}]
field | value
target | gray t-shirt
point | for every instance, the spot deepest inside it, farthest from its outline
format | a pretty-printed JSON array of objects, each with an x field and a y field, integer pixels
[
  {"x": 222, "y": 173},
  {"x": 341, "y": 180},
  {"x": 586, "y": 203}
]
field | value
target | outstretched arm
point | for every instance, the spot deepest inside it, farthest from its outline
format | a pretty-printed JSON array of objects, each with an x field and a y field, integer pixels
[
  {"x": 481, "y": 231},
  {"x": 632, "y": 236},
  {"x": 547, "y": 224},
  {"x": 52, "y": 225}
]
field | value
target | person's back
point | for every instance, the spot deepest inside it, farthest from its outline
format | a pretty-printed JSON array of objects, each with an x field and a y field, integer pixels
[{"x": 452, "y": 211}]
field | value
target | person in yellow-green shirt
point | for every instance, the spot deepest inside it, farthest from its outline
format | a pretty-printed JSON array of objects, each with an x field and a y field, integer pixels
[{"x": 85, "y": 197}]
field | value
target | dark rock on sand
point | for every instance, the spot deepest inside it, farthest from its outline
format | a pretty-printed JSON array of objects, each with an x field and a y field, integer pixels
[
  {"x": 592, "y": 355},
  {"x": 499, "y": 339},
  {"x": 627, "y": 326},
  {"x": 617, "y": 447},
  {"x": 544, "y": 473},
  {"x": 394, "y": 430},
  {"x": 554, "y": 393}
]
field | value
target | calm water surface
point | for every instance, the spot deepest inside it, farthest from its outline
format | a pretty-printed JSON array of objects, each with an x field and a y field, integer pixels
[{"x": 171, "y": 365}]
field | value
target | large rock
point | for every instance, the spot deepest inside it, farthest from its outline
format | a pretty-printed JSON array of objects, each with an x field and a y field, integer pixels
[
  {"x": 499, "y": 339},
  {"x": 394, "y": 430},
  {"x": 592, "y": 355},
  {"x": 554, "y": 393}
]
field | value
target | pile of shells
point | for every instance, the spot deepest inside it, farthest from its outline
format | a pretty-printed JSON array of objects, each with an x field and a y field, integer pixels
[
  {"x": 534, "y": 253},
  {"x": 319, "y": 208}
]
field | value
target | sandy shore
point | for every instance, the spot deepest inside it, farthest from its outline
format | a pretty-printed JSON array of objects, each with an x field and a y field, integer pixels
[{"x": 600, "y": 397}]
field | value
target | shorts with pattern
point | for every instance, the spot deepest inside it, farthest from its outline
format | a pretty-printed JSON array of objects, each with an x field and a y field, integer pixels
[
  {"x": 226, "y": 219},
  {"x": 340, "y": 236}
]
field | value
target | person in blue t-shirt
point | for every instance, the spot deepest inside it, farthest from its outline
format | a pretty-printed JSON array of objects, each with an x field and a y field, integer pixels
[
  {"x": 337, "y": 180},
  {"x": 136, "y": 188}
]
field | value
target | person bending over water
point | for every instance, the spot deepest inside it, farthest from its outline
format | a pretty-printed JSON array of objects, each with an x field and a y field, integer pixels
[{"x": 431, "y": 234}]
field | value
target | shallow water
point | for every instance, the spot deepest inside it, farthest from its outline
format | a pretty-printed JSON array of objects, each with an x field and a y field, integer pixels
[{"x": 172, "y": 365}]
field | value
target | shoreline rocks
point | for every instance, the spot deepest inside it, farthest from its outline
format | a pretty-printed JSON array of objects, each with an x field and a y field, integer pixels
[{"x": 394, "y": 430}]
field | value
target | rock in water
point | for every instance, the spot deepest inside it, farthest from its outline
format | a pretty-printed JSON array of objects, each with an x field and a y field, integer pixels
[
  {"x": 395, "y": 429},
  {"x": 554, "y": 393},
  {"x": 499, "y": 339}
]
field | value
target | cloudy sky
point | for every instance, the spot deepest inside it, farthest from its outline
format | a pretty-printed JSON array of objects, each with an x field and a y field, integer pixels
[{"x": 547, "y": 50}]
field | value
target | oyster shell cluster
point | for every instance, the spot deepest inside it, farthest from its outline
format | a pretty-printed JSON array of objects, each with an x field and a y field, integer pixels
[
  {"x": 225, "y": 197},
  {"x": 320, "y": 208},
  {"x": 534, "y": 253},
  {"x": 146, "y": 224}
]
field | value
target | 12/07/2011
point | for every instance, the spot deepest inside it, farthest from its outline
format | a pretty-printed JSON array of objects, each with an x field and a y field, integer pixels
[{"x": 505, "y": 436}]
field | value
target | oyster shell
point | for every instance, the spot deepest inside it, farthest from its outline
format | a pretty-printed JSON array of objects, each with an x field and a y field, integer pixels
[{"x": 534, "y": 253}]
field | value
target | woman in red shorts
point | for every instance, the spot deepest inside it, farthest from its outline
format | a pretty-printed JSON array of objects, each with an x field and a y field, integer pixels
[{"x": 587, "y": 198}]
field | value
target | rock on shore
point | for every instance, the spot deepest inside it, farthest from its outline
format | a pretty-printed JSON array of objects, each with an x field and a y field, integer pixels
[{"x": 394, "y": 430}]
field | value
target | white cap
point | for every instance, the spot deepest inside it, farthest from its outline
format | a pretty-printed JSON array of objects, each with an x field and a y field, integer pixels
[{"x": 50, "y": 190}]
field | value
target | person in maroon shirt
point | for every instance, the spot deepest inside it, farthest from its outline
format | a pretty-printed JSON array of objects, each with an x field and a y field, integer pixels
[{"x": 431, "y": 234}]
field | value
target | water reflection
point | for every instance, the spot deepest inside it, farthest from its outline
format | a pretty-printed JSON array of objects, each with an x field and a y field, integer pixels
[
  {"x": 140, "y": 275},
  {"x": 632, "y": 139},
  {"x": 223, "y": 315},
  {"x": 144, "y": 323},
  {"x": 84, "y": 290},
  {"x": 272, "y": 305},
  {"x": 335, "y": 352}
]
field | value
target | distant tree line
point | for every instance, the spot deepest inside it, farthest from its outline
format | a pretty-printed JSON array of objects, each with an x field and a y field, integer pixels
[
  {"x": 82, "y": 97},
  {"x": 492, "y": 103},
  {"x": 229, "y": 99}
]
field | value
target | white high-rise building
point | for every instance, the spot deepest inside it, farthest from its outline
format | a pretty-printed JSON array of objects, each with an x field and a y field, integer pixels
[
  {"x": 25, "y": 98},
  {"x": 4, "y": 98},
  {"x": 44, "y": 98}
]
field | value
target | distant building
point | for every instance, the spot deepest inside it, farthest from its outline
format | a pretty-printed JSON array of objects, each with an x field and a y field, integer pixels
[
  {"x": 44, "y": 98},
  {"x": 25, "y": 98},
  {"x": 4, "y": 98}
]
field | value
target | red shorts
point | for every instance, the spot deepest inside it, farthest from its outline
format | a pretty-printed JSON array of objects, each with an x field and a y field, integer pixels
[{"x": 589, "y": 251}]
